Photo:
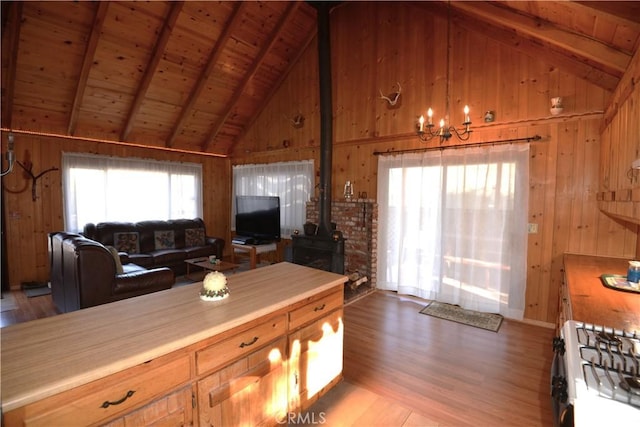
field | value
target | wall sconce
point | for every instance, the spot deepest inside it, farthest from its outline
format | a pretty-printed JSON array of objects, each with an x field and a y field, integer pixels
[{"x": 11, "y": 156}]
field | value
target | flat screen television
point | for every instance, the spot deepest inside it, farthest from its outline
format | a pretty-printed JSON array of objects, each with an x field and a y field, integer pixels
[{"x": 258, "y": 218}]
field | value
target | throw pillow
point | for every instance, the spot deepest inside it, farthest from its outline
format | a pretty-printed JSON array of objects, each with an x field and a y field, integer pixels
[
  {"x": 193, "y": 237},
  {"x": 116, "y": 259},
  {"x": 127, "y": 242},
  {"x": 164, "y": 239}
]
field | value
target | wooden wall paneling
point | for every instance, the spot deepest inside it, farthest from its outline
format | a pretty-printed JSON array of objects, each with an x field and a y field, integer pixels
[
  {"x": 590, "y": 213},
  {"x": 550, "y": 254},
  {"x": 402, "y": 56},
  {"x": 489, "y": 83},
  {"x": 298, "y": 94},
  {"x": 577, "y": 171},
  {"x": 477, "y": 82},
  {"x": 353, "y": 55},
  {"x": 524, "y": 93},
  {"x": 564, "y": 175},
  {"x": 538, "y": 196},
  {"x": 48, "y": 204}
]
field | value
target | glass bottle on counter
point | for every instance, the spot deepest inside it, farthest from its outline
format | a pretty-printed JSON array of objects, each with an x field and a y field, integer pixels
[{"x": 633, "y": 274}]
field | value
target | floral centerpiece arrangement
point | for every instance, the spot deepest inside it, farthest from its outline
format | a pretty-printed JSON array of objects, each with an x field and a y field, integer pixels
[{"x": 214, "y": 287}]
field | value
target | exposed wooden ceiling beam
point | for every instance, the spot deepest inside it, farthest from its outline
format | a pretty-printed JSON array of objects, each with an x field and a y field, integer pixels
[
  {"x": 600, "y": 55},
  {"x": 152, "y": 65},
  {"x": 528, "y": 46},
  {"x": 89, "y": 54},
  {"x": 286, "y": 16},
  {"x": 628, "y": 11},
  {"x": 14, "y": 16},
  {"x": 233, "y": 21},
  {"x": 272, "y": 92}
]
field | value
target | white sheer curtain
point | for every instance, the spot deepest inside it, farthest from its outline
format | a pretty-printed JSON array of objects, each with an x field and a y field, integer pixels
[
  {"x": 453, "y": 226},
  {"x": 102, "y": 188},
  {"x": 293, "y": 182}
]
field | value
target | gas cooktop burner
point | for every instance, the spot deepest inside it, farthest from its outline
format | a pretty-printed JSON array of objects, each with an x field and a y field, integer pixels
[
  {"x": 601, "y": 366},
  {"x": 631, "y": 385},
  {"x": 608, "y": 337},
  {"x": 610, "y": 362}
]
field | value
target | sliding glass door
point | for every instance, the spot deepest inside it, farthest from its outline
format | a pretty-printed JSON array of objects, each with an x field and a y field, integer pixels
[{"x": 453, "y": 226}]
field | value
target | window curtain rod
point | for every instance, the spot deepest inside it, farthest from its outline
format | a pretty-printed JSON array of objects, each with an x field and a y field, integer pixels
[{"x": 478, "y": 144}]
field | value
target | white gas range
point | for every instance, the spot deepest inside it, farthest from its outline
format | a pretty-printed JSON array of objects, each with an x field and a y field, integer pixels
[{"x": 595, "y": 377}]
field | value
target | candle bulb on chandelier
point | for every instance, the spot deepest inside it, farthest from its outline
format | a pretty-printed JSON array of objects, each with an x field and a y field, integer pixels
[
  {"x": 430, "y": 115},
  {"x": 467, "y": 119},
  {"x": 421, "y": 124}
]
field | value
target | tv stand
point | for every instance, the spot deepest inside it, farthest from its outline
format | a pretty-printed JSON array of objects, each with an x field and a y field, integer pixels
[{"x": 253, "y": 250}]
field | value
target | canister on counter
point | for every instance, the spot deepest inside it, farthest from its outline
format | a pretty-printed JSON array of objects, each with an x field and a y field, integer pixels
[{"x": 633, "y": 274}]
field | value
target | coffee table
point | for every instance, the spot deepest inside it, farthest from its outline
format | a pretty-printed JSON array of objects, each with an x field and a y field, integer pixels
[{"x": 206, "y": 265}]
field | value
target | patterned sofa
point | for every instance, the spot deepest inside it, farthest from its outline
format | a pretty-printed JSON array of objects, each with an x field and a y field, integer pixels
[{"x": 152, "y": 244}]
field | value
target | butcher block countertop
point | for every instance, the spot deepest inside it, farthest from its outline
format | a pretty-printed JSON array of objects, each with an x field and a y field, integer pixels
[
  {"x": 47, "y": 356},
  {"x": 591, "y": 301}
]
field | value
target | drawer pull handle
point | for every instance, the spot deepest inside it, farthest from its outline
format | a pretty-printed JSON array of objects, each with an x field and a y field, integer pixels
[
  {"x": 247, "y": 344},
  {"x": 320, "y": 308},
  {"x": 106, "y": 403}
]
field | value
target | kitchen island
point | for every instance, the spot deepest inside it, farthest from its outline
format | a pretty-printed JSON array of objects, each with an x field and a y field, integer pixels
[
  {"x": 586, "y": 299},
  {"x": 245, "y": 359}
]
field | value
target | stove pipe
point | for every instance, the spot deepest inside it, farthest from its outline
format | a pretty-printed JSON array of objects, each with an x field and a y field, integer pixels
[{"x": 326, "y": 117}]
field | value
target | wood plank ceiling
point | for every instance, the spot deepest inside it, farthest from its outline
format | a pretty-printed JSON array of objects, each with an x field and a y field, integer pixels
[{"x": 193, "y": 75}]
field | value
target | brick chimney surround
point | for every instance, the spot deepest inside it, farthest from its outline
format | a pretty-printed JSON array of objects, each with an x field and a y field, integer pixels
[{"x": 357, "y": 219}]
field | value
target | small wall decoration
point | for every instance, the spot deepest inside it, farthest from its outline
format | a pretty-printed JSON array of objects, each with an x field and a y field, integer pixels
[
  {"x": 489, "y": 116},
  {"x": 556, "y": 106},
  {"x": 297, "y": 121},
  {"x": 28, "y": 168},
  {"x": 393, "y": 97}
]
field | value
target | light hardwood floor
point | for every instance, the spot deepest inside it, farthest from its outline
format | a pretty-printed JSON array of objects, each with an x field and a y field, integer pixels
[{"x": 403, "y": 368}]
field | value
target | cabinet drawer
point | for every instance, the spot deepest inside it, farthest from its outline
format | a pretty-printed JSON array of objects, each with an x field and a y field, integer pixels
[
  {"x": 240, "y": 344},
  {"x": 249, "y": 392},
  {"x": 103, "y": 399},
  {"x": 315, "y": 309}
]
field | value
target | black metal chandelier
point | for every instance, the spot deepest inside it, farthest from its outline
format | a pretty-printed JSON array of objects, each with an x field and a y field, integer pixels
[{"x": 427, "y": 131}]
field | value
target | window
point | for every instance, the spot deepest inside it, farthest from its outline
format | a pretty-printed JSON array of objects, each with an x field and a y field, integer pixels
[
  {"x": 453, "y": 226},
  {"x": 293, "y": 182},
  {"x": 101, "y": 188}
]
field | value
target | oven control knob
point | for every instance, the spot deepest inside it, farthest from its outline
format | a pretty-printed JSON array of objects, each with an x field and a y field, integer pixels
[
  {"x": 558, "y": 345},
  {"x": 559, "y": 388}
]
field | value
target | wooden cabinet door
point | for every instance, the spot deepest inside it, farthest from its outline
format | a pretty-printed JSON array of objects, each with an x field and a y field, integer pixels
[
  {"x": 315, "y": 360},
  {"x": 251, "y": 391},
  {"x": 175, "y": 409}
]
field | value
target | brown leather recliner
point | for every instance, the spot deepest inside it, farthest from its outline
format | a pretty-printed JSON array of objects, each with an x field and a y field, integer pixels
[{"x": 83, "y": 274}]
